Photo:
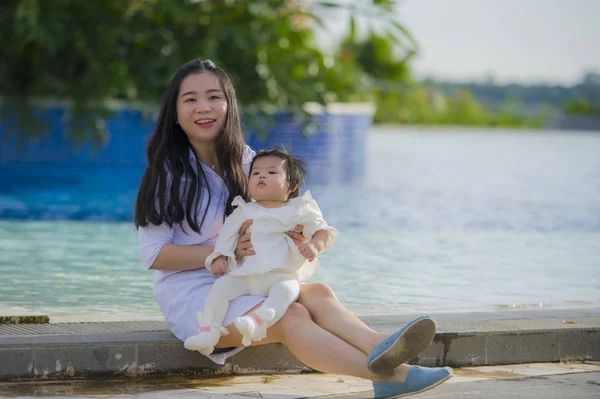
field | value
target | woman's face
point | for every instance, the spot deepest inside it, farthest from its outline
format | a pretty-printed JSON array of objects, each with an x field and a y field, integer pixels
[{"x": 201, "y": 108}]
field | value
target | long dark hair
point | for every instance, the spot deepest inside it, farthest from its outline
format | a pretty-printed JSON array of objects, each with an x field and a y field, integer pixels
[{"x": 160, "y": 197}]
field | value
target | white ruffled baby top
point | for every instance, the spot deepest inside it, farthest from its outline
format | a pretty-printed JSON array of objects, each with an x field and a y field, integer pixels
[{"x": 274, "y": 249}]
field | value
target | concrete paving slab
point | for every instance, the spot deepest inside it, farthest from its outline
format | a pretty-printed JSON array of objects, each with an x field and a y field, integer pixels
[
  {"x": 510, "y": 381},
  {"x": 529, "y": 370},
  {"x": 145, "y": 347},
  {"x": 580, "y": 386}
]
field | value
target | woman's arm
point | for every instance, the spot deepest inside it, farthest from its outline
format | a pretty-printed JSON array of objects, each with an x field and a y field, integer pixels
[
  {"x": 181, "y": 257},
  {"x": 159, "y": 252}
]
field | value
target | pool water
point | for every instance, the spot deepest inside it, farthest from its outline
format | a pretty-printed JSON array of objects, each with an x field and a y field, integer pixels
[{"x": 446, "y": 220}]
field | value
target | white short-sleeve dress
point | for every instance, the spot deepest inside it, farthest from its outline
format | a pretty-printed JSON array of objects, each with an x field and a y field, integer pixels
[{"x": 181, "y": 294}]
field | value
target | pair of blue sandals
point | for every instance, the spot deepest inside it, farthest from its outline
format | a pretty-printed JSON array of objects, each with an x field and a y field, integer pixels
[{"x": 403, "y": 345}]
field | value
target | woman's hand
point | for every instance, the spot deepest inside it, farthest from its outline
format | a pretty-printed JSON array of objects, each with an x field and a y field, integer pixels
[
  {"x": 296, "y": 235},
  {"x": 244, "y": 246}
]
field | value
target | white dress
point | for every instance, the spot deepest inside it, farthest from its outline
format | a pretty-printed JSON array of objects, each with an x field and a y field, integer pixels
[
  {"x": 180, "y": 294},
  {"x": 275, "y": 271}
]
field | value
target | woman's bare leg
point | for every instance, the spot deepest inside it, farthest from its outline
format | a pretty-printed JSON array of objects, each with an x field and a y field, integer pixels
[
  {"x": 315, "y": 347},
  {"x": 331, "y": 315}
]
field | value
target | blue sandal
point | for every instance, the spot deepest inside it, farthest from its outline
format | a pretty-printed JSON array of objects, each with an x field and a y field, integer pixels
[
  {"x": 419, "y": 379},
  {"x": 403, "y": 345}
]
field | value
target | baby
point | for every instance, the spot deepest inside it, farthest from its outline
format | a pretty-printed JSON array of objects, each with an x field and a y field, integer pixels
[{"x": 276, "y": 270}]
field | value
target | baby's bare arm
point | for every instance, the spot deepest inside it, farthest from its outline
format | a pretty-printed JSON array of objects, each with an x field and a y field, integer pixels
[{"x": 322, "y": 240}]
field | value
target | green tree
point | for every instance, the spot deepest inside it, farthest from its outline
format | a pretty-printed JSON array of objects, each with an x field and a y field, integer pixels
[
  {"x": 92, "y": 52},
  {"x": 382, "y": 60},
  {"x": 578, "y": 107}
]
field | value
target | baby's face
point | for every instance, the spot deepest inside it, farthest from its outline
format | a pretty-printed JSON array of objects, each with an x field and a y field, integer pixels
[{"x": 268, "y": 180}]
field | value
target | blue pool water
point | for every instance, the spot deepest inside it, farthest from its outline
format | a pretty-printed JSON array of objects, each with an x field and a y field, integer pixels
[{"x": 445, "y": 220}]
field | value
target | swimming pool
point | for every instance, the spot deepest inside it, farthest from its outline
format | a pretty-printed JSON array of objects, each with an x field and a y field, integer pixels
[{"x": 446, "y": 220}]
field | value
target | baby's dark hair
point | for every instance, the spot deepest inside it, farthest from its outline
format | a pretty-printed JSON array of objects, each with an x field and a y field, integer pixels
[{"x": 294, "y": 167}]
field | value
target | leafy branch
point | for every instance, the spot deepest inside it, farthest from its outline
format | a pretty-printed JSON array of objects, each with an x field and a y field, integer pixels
[{"x": 90, "y": 53}]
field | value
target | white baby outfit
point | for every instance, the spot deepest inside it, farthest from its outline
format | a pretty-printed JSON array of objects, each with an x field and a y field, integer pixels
[{"x": 275, "y": 271}]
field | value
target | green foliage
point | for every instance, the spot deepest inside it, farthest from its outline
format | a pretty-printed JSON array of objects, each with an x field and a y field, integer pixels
[
  {"x": 91, "y": 52},
  {"x": 419, "y": 104},
  {"x": 582, "y": 107},
  {"x": 555, "y": 96},
  {"x": 399, "y": 100}
]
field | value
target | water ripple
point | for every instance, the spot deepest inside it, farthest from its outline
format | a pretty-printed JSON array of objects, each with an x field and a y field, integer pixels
[{"x": 442, "y": 222}]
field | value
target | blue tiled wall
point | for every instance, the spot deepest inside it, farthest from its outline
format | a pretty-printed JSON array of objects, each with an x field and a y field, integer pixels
[{"x": 50, "y": 178}]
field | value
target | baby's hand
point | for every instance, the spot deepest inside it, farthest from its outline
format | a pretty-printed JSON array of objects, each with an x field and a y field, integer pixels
[
  {"x": 220, "y": 266},
  {"x": 308, "y": 250}
]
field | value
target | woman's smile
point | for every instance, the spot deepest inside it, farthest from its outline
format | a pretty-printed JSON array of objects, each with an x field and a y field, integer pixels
[{"x": 205, "y": 123}]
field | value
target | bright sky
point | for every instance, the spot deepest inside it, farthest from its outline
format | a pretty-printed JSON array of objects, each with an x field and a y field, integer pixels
[{"x": 513, "y": 40}]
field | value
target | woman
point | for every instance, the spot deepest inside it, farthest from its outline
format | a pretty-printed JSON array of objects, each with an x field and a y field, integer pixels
[{"x": 197, "y": 164}]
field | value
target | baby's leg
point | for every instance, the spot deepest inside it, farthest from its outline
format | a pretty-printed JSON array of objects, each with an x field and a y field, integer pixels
[
  {"x": 223, "y": 290},
  {"x": 210, "y": 321},
  {"x": 281, "y": 295}
]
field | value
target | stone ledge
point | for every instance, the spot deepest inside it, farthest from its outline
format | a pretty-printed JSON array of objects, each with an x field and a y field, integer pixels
[{"x": 472, "y": 341}]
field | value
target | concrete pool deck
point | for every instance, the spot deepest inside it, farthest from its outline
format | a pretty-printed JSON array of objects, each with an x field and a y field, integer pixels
[
  {"x": 66, "y": 349},
  {"x": 539, "y": 380}
]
